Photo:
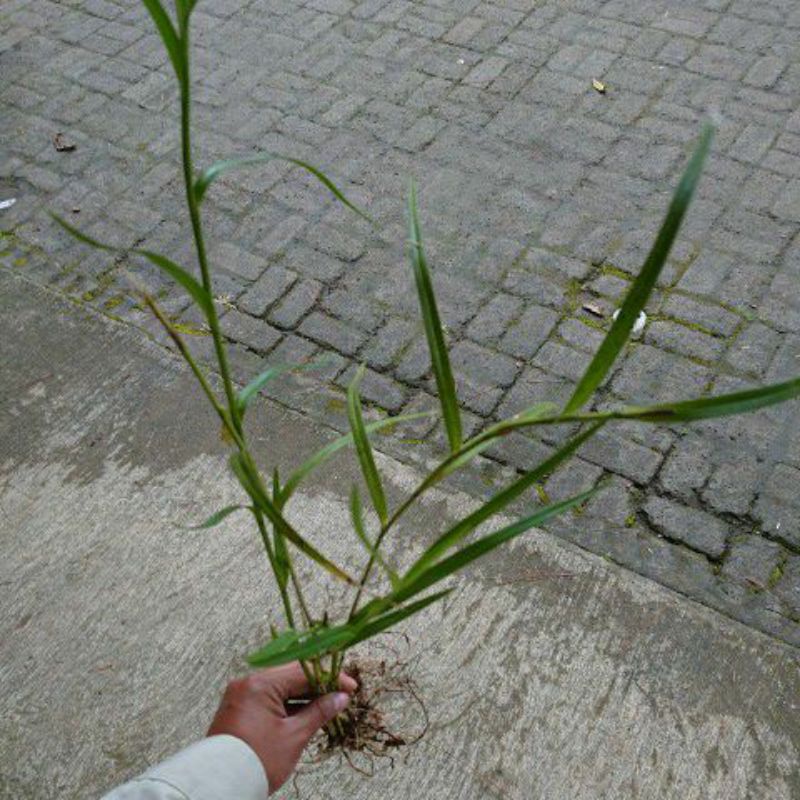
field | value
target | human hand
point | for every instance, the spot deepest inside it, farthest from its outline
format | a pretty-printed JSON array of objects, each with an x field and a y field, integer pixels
[{"x": 254, "y": 710}]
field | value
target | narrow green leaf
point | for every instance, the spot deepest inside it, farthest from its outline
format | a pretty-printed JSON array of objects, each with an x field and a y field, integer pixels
[
  {"x": 210, "y": 174},
  {"x": 686, "y": 410},
  {"x": 168, "y": 34},
  {"x": 178, "y": 274},
  {"x": 184, "y": 9},
  {"x": 282, "y": 526},
  {"x": 718, "y": 406},
  {"x": 320, "y": 641},
  {"x": 357, "y": 517},
  {"x": 498, "y": 502},
  {"x": 282, "y": 565},
  {"x": 310, "y": 644},
  {"x": 364, "y": 449},
  {"x": 460, "y": 559},
  {"x": 216, "y": 518},
  {"x": 262, "y": 379},
  {"x": 381, "y": 623},
  {"x": 440, "y": 360},
  {"x": 282, "y": 560},
  {"x": 478, "y": 444},
  {"x": 471, "y": 448},
  {"x": 329, "y": 450},
  {"x": 276, "y": 489},
  {"x": 643, "y": 285}
]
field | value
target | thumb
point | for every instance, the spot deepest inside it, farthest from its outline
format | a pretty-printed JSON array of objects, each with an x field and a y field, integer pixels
[{"x": 317, "y": 714}]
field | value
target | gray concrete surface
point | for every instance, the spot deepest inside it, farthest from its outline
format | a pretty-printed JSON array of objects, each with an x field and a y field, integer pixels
[
  {"x": 538, "y": 195},
  {"x": 550, "y": 674}
]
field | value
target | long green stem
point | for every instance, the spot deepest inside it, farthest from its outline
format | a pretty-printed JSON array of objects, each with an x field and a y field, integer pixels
[
  {"x": 311, "y": 674},
  {"x": 187, "y": 356},
  {"x": 231, "y": 416},
  {"x": 197, "y": 230}
]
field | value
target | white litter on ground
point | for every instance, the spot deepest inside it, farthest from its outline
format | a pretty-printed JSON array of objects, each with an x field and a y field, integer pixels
[{"x": 638, "y": 326}]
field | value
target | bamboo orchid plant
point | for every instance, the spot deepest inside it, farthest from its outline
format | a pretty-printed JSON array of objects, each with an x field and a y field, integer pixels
[{"x": 308, "y": 634}]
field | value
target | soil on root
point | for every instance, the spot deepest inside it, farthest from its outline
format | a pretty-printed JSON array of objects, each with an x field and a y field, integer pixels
[{"x": 380, "y": 724}]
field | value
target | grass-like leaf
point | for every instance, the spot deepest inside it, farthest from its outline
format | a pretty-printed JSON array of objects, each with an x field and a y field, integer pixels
[
  {"x": 364, "y": 449},
  {"x": 440, "y": 360},
  {"x": 392, "y": 618},
  {"x": 216, "y": 517},
  {"x": 282, "y": 526},
  {"x": 178, "y": 274},
  {"x": 262, "y": 379},
  {"x": 498, "y": 502},
  {"x": 720, "y": 405},
  {"x": 210, "y": 174},
  {"x": 645, "y": 282},
  {"x": 459, "y": 560},
  {"x": 357, "y": 517},
  {"x": 168, "y": 34},
  {"x": 319, "y": 641},
  {"x": 330, "y": 449}
]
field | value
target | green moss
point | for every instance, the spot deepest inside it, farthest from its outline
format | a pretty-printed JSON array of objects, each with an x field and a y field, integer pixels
[
  {"x": 630, "y": 520},
  {"x": 610, "y": 269},
  {"x": 542, "y": 494},
  {"x": 388, "y": 430},
  {"x": 189, "y": 330},
  {"x": 573, "y": 295},
  {"x": 595, "y": 324},
  {"x": 776, "y": 574},
  {"x": 114, "y": 302},
  {"x": 21, "y": 261},
  {"x": 336, "y": 404}
]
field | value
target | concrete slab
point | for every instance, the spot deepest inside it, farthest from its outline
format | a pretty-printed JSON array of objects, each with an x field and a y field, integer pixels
[{"x": 548, "y": 674}]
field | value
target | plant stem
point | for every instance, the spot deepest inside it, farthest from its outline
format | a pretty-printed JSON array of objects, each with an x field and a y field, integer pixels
[
  {"x": 197, "y": 230},
  {"x": 185, "y": 352}
]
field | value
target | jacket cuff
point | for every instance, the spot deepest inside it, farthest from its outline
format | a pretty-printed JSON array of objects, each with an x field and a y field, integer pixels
[{"x": 215, "y": 768}]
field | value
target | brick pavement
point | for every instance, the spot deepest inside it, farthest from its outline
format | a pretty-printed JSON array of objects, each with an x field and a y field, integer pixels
[{"x": 538, "y": 195}]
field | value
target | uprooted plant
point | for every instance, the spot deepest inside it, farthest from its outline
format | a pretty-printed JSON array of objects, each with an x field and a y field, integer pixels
[{"x": 311, "y": 635}]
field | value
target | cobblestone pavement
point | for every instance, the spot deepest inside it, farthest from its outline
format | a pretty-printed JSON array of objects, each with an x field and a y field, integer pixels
[{"x": 538, "y": 195}]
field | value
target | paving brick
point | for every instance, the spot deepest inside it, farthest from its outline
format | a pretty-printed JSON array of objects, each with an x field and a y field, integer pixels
[
  {"x": 494, "y": 319},
  {"x": 298, "y": 301},
  {"x": 651, "y": 375},
  {"x": 486, "y": 71},
  {"x": 752, "y": 144},
  {"x": 752, "y": 560},
  {"x": 269, "y": 288},
  {"x": 481, "y": 375},
  {"x": 390, "y": 340},
  {"x": 788, "y": 204},
  {"x": 778, "y": 504},
  {"x": 733, "y": 485},
  {"x": 711, "y": 317},
  {"x": 327, "y": 330},
  {"x": 787, "y": 587},
  {"x": 528, "y": 334},
  {"x": 765, "y": 72},
  {"x": 534, "y": 386},
  {"x": 753, "y": 349},
  {"x": 378, "y": 389},
  {"x": 698, "y": 530},
  {"x": 678, "y": 338},
  {"x": 252, "y": 333}
]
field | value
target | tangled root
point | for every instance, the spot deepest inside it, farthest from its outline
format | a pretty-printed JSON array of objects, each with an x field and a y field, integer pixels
[{"x": 379, "y": 725}]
